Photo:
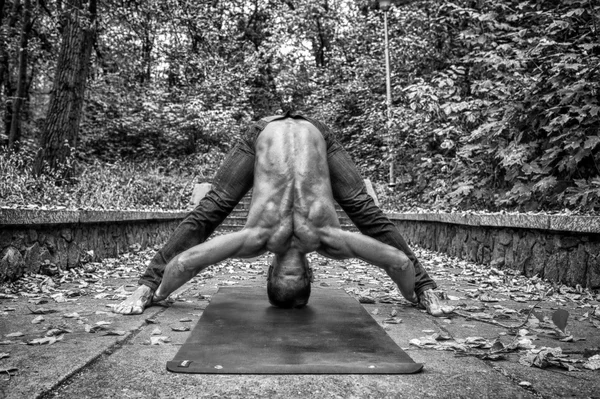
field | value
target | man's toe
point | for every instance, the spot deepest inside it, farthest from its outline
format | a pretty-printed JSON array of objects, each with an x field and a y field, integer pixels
[
  {"x": 447, "y": 309},
  {"x": 136, "y": 310}
]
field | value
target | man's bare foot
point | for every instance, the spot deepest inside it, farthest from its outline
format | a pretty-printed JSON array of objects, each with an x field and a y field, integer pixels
[
  {"x": 137, "y": 301},
  {"x": 431, "y": 303}
]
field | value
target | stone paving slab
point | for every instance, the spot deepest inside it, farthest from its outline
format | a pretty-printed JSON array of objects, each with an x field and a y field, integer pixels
[
  {"x": 43, "y": 367},
  {"x": 139, "y": 371},
  {"x": 85, "y": 365}
]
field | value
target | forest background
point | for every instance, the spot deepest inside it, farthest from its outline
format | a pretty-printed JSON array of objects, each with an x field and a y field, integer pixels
[{"x": 117, "y": 104}]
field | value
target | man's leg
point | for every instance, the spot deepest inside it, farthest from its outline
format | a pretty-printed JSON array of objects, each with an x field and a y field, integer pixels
[
  {"x": 350, "y": 192},
  {"x": 232, "y": 181}
]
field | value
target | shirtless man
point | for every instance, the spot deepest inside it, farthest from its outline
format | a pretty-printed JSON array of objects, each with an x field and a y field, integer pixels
[
  {"x": 292, "y": 214},
  {"x": 235, "y": 178}
]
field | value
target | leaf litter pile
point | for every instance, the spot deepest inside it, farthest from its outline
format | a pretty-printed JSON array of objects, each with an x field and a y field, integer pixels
[
  {"x": 537, "y": 310},
  {"x": 476, "y": 295}
]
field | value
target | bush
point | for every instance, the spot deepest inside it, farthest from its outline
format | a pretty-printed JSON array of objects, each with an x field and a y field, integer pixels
[{"x": 147, "y": 185}]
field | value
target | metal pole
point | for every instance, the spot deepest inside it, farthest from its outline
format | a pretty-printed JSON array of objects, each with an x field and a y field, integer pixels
[{"x": 388, "y": 88}]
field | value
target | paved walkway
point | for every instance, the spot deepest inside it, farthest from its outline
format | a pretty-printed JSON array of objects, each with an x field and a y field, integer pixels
[{"x": 85, "y": 351}]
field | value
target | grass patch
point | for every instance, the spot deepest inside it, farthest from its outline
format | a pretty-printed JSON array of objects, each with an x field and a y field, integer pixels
[{"x": 142, "y": 185}]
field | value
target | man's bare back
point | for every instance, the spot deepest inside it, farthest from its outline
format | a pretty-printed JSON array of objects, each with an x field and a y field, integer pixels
[
  {"x": 292, "y": 197},
  {"x": 292, "y": 213}
]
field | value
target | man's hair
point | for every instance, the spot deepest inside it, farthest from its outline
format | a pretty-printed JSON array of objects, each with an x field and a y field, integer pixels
[{"x": 289, "y": 291}]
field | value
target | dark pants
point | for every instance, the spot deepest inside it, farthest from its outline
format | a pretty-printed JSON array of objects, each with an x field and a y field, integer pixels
[{"x": 235, "y": 178}]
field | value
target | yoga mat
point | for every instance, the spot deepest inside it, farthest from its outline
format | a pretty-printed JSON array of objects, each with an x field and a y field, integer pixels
[{"x": 241, "y": 333}]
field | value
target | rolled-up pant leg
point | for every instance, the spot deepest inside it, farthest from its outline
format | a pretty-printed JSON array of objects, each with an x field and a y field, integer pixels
[{"x": 232, "y": 181}]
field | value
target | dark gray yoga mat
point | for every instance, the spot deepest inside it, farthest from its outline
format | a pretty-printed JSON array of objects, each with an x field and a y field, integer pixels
[{"x": 241, "y": 333}]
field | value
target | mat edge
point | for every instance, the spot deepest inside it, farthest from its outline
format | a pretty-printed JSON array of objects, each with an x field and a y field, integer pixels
[{"x": 401, "y": 368}]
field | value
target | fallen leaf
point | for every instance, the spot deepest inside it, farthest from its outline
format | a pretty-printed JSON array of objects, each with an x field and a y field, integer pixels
[
  {"x": 525, "y": 343},
  {"x": 159, "y": 340},
  {"x": 9, "y": 370},
  {"x": 115, "y": 332},
  {"x": 559, "y": 318},
  {"x": 485, "y": 297},
  {"x": 42, "y": 311},
  {"x": 45, "y": 340},
  {"x": 59, "y": 298},
  {"x": 94, "y": 329},
  {"x": 497, "y": 347},
  {"x": 366, "y": 299},
  {"x": 57, "y": 331},
  {"x": 492, "y": 356},
  {"x": 477, "y": 342},
  {"x": 545, "y": 357},
  {"x": 393, "y": 320},
  {"x": 593, "y": 363}
]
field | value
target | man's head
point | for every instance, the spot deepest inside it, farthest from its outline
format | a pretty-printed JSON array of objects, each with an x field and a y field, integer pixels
[{"x": 289, "y": 280}]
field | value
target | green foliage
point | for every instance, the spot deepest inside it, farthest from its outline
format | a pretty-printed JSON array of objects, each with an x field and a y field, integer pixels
[
  {"x": 511, "y": 119},
  {"x": 150, "y": 185},
  {"x": 494, "y": 104}
]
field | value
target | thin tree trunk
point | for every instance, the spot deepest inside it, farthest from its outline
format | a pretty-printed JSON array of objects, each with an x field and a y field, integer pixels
[
  {"x": 61, "y": 129},
  {"x": 15, "y": 125},
  {"x": 5, "y": 81}
]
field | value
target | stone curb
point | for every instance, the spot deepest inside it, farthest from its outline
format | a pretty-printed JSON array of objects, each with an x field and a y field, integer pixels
[
  {"x": 15, "y": 217},
  {"x": 575, "y": 224}
]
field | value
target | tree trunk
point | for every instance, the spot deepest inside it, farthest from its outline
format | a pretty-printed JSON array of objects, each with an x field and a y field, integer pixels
[
  {"x": 15, "y": 125},
  {"x": 5, "y": 81},
  {"x": 61, "y": 129}
]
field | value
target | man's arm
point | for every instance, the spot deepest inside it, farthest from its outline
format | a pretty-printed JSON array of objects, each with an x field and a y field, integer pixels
[
  {"x": 248, "y": 242},
  {"x": 339, "y": 244}
]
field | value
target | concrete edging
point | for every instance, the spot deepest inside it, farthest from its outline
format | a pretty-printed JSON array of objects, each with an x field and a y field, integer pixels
[
  {"x": 565, "y": 223},
  {"x": 33, "y": 240},
  {"x": 19, "y": 217},
  {"x": 558, "y": 247}
]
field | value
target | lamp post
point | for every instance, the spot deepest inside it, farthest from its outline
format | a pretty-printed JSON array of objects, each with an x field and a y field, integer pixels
[{"x": 385, "y": 5}]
